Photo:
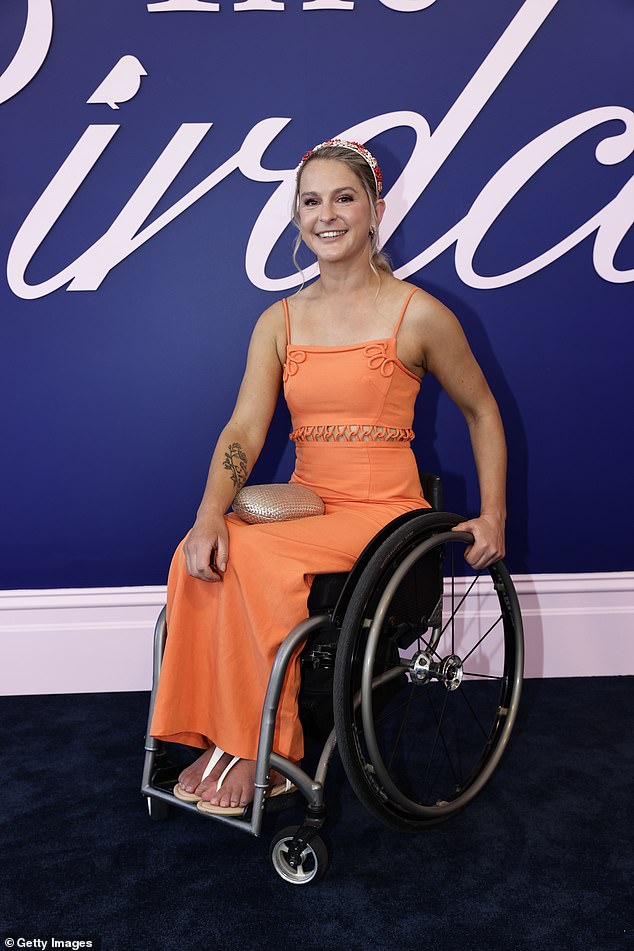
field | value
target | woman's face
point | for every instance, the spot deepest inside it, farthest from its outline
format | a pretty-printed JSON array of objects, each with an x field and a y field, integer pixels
[{"x": 334, "y": 211}]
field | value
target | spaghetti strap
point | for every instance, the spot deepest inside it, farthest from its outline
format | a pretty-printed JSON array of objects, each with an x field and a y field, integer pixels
[
  {"x": 288, "y": 320},
  {"x": 407, "y": 300}
]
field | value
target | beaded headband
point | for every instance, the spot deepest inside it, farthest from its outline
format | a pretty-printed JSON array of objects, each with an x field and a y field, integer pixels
[{"x": 354, "y": 147}]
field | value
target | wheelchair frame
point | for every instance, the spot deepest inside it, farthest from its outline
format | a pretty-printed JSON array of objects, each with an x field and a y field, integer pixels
[
  {"x": 298, "y": 842},
  {"x": 311, "y": 788}
]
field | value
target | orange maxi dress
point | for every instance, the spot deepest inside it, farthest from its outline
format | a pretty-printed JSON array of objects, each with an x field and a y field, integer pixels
[{"x": 352, "y": 410}]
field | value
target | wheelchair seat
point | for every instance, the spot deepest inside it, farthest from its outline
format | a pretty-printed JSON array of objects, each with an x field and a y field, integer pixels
[
  {"x": 328, "y": 596},
  {"x": 326, "y": 589}
]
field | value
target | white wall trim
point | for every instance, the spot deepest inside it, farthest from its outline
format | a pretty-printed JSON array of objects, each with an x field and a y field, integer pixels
[{"x": 90, "y": 640}]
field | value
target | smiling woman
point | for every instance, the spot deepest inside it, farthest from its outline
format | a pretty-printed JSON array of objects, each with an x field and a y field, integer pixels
[
  {"x": 361, "y": 190},
  {"x": 350, "y": 350}
]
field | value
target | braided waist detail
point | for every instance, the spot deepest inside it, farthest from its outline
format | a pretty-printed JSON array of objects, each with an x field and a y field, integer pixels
[{"x": 352, "y": 432}]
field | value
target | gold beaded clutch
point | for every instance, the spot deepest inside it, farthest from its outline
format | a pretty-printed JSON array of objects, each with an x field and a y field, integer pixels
[{"x": 276, "y": 503}]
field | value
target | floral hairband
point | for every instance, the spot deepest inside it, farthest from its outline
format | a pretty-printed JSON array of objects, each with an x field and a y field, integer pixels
[{"x": 354, "y": 147}]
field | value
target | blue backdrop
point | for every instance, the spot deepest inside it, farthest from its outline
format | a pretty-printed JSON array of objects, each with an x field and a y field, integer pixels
[{"x": 113, "y": 394}]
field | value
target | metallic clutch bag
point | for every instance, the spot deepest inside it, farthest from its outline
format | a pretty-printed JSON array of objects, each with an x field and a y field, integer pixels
[{"x": 276, "y": 503}]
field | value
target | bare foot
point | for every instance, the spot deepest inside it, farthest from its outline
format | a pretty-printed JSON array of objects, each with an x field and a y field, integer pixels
[
  {"x": 238, "y": 788},
  {"x": 191, "y": 777}
]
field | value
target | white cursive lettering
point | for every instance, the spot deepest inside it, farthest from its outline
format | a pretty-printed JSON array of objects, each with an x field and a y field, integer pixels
[
  {"x": 31, "y": 52},
  {"x": 126, "y": 233},
  {"x": 507, "y": 182}
]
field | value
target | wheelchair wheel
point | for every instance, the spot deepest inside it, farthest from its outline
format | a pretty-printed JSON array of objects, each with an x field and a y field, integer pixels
[
  {"x": 298, "y": 859},
  {"x": 428, "y": 675}
]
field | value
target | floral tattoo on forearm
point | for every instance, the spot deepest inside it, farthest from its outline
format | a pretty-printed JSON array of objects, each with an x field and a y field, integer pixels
[{"x": 236, "y": 463}]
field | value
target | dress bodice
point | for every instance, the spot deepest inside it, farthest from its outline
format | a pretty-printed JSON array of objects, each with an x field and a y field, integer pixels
[
  {"x": 362, "y": 384},
  {"x": 359, "y": 394},
  {"x": 352, "y": 409}
]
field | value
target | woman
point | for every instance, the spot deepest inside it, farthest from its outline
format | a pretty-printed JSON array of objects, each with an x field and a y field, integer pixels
[{"x": 350, "y": 350}]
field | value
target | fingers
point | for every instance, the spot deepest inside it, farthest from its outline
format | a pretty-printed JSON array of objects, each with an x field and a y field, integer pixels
[
  {"x": 488, "y": 544},
  {"x": 216, "y": 571},
  {"x": 222, "y": 550},
  {"x": 463, "y": 527},
  {"x": 204, "y": 572},
  {"x": 200, "y": 561}
]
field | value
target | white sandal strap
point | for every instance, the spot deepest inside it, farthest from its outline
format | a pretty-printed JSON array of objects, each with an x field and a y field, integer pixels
[
  {"x": 215, "y": 757},
  {"x": 223, "y": 775}
]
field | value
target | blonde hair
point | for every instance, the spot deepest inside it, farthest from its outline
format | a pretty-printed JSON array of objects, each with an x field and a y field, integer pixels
[{"x": 379, "y": 261}]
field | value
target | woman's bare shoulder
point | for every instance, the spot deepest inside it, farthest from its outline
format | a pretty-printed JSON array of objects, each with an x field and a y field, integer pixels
[
  {"x": 269, "y": 331},
  {"x": 423, "y": 305},
  {"x": 430, "y": 329},
  {"x": 271, "y": 321}
]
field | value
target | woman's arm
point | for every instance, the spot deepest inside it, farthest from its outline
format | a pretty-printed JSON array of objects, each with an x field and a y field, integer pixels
[
  {"x": 237, "y": 448},
  {"x": 448, "y": 356}
]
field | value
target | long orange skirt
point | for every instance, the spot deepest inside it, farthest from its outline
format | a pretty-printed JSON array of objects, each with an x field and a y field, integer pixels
[{"x": 223, "y": 636}]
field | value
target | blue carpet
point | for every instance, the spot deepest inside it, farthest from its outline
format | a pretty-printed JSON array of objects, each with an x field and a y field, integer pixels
[{"x": 542, "y": 859}]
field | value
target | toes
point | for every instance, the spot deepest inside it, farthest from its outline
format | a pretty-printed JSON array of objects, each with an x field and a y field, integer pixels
[
  {"x": 225, "y": 795},
  {"x": 214, "y": 798},
  {"x": 185, "y": 780},
  {"x": 236, "y": 790},
  {"x": 205, "y": 786},
  {"x": 207, "y": 791},
  {"x": 228, "y": 795},
  {"x": 190, "y": 777},
  {"x": 236, "y": 795}
]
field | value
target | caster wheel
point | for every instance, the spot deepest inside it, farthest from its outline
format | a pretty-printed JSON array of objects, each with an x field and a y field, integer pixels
[
  {"x": 298, "y": 863},
  {"x": 157, "y": 809}
]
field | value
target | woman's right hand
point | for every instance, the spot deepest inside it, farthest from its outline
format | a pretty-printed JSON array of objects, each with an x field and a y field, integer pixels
[{"x": 207, "y": 544}]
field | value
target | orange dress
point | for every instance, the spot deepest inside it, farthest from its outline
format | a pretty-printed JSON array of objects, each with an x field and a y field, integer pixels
[{"x": 352, "y": 410}]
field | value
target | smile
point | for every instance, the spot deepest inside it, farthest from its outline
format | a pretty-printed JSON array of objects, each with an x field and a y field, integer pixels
[{"x": 331, "y": 234}]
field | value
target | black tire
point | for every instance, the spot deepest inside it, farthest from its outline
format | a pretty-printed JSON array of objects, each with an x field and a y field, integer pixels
[
  {"x": 421, "y": 744},
  {"x": 313, "y": 857}
]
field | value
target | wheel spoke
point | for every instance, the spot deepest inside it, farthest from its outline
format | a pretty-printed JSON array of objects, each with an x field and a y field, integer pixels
[
  {"x": 401, "y": 728},
  {"x": 395, "y": 710},
  {"x": 456, "y": 778},
  {"x": 453, "y": 603},
  {"x": 427, "y": 646},
  {"x": 421, "y": 640},
  {"x": 486, "y": 634},
  {"x": 472, "y": 673},
  {"x": 460, "y": 603},
  {"x": 438, "y": 731},
  {"x": 434, "y": 651},
  {"x": 475, "y": 715}
]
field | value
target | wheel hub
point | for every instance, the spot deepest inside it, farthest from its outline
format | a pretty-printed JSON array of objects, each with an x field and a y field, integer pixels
[
  {"x": 448, "y": 670},
  {"x": 451, "y": 671}
]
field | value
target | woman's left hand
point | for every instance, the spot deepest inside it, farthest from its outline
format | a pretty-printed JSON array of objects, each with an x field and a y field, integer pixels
[{"x": 488, "y": 540}]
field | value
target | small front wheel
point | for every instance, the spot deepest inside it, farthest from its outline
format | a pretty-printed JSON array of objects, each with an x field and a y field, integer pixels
[{"x": 299, "y": 859}]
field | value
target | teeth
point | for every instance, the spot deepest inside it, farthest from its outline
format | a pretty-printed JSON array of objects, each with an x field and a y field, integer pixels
[{"x": 331, "y": 234}]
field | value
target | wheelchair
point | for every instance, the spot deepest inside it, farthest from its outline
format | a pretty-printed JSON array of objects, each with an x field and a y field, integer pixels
[{"x": 411, "y": 666}]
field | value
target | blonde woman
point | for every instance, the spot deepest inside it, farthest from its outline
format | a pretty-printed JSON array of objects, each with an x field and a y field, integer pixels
[{"x": 350, "y": 351}]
